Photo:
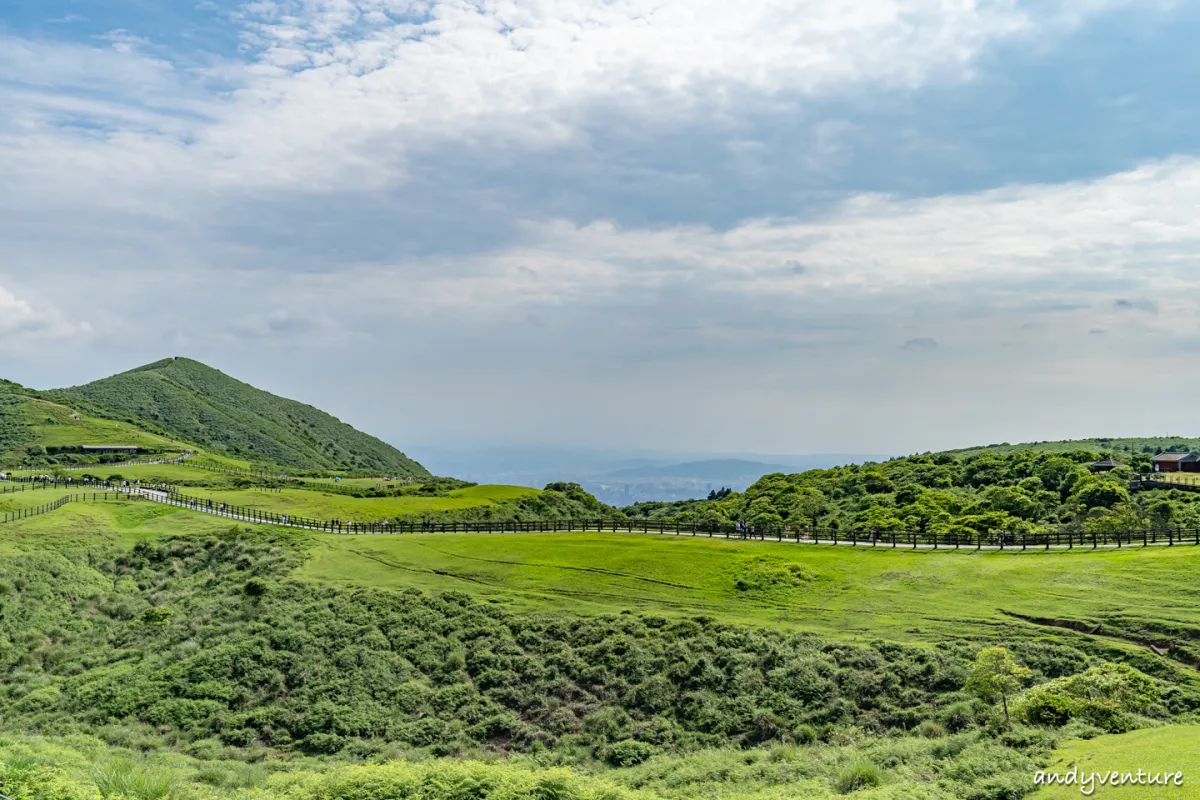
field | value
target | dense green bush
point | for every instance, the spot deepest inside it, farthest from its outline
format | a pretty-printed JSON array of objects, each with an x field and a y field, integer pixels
[
  {"x": 628, "y": 753},
  {"x": 1108, "y": 696}
]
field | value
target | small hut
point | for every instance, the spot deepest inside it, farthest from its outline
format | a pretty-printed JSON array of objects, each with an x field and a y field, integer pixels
[{"x": 1107, "y": 465}]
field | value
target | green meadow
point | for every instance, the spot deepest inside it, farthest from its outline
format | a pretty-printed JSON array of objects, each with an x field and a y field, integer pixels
[
  {"x": 856, "y": 592},
  {"x": 1170, "y": 749}
]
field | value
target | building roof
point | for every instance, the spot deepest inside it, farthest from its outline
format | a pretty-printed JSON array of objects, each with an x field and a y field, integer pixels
[
  {"x": 1176, "y": 457},
  {"x": 1109, "y": 462}
]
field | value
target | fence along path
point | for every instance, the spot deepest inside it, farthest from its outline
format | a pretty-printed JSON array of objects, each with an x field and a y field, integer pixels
[{"x": 1062, "y": 539}]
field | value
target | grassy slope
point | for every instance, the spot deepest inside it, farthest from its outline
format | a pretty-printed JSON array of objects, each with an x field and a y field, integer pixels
[
  {"x": 216, "y": 632},
  {"x": 200, "y": 404},
  {"x": 1157, "y": 750},
  {"x": 899, "y": 595},
  {"x": 863, "y": 595},
  {"x": 852, "y": 593},
  {"x": 26, "y": 419}
]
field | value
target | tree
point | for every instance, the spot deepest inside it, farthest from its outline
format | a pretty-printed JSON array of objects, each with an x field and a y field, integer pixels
[
  {"x": 875, "y": 482},
  {"x": 995, "y": 675},
  {"x": 1161, "y": 513},
  {"x": 1058, "y": 474},
  {"x": 810, "y": 504},
  {"x": 1096, "y": 492}
]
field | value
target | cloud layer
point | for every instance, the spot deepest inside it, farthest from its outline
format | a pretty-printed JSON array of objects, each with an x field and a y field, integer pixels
[{"x": 728, "y": 203}]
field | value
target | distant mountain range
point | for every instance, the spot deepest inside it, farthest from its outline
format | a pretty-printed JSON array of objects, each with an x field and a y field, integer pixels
[{"x": 712, "y": 469}]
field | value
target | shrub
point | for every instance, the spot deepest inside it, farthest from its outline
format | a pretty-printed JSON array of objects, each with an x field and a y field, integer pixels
[
  {"x": 804, "y": 734},
  {"x": 1105, "y": 696},
  {"x": 930, "y": 730},
  {"x": 156, "y": 616},
  {"x": 323, "y": 743},
  {"x": 859, "y": 775},
  {"x": 958, "y": 717},
  {"x": 122, "y": 778},
  {"x": 628, "y": 753}
]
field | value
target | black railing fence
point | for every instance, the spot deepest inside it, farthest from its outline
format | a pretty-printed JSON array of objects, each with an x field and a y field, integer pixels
[{"x": 80, "y": 497}]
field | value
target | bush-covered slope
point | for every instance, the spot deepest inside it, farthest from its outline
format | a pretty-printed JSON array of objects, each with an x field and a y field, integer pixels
[
  {"x": 202, "y": 405},
  {"x": 210, "y": 645}
]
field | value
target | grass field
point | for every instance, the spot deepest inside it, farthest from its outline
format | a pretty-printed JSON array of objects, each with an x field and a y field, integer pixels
[
  {"x": 78, "y": 525},
  {"x": 1156, "y": 750},
  {"x": 359, "y": 483},
  {"x": 858, "y": 593},
  {"x": 19, "y": 500}
]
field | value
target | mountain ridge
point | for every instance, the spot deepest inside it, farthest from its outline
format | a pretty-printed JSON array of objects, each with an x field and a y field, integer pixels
[{"x": 200, "y": 404}]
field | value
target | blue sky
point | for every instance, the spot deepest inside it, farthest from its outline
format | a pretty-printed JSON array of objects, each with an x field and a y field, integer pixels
[{"x": 873, "y": 225}]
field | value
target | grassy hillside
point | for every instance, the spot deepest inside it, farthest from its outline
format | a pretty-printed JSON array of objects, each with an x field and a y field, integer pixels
[
  {"x": 863, "y": 594},
  {"x": 43, "y": 429},
  {"x": 664, "y": 668},
  {"x": 201, "y": 405}
]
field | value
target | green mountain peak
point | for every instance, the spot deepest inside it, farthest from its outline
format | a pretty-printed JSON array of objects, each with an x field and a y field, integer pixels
[{"x": 197, "y": 403}]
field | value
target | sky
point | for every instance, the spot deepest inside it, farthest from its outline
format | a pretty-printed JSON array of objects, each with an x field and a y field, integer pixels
[{"x": 776, "y": 226}]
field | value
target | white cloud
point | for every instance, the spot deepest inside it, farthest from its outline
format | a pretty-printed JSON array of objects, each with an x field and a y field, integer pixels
[
  {"x": 363, "y": 84},
  {"x": 343, "y": 92},
  {"x": 21, "y": 323}
]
